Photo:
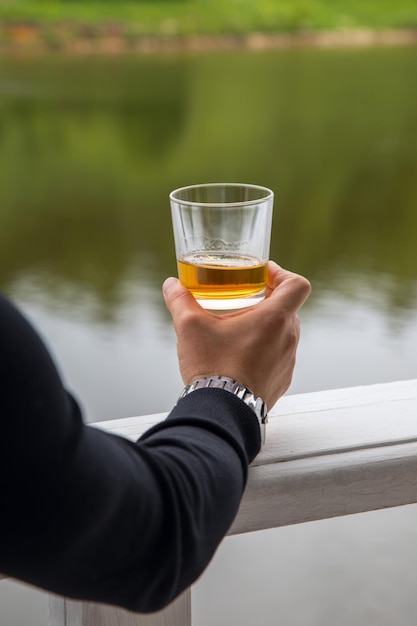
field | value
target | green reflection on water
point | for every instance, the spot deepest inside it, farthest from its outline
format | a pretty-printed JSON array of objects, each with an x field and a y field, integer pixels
[{"x": 90, "y": 148}]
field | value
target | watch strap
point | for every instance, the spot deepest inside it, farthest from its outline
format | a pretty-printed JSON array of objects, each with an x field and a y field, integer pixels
[{"x": 257, "y": 405}]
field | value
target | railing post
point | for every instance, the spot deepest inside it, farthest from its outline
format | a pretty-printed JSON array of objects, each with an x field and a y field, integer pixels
[{"x": 63, "y": 612}]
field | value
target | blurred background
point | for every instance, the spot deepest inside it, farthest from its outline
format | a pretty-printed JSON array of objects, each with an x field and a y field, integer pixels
[{"x": 93, "y": 139}]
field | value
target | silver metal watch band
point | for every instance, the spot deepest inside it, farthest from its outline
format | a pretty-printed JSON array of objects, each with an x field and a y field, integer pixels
[{"x": 257, "y": 405}]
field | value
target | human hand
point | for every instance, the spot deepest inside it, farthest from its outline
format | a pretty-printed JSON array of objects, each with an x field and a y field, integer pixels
[{"x": 256, "y": 346}]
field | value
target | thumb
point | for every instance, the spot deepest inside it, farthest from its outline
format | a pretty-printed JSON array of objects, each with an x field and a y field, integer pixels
[{"x": 177, "y": 297}]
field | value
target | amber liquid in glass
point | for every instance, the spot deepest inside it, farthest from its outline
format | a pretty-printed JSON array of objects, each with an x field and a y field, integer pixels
[{"x": 222, "y": 276}]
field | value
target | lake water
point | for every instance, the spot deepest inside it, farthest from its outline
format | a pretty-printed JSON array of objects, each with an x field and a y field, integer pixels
[{"x": 89, "y": 150}]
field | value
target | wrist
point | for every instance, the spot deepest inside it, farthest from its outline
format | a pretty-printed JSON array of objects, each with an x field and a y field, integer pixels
[{"x": 239, "y": 390}]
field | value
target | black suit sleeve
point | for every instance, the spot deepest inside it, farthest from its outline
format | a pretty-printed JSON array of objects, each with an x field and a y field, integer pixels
[{"x": 93, "y": 516}]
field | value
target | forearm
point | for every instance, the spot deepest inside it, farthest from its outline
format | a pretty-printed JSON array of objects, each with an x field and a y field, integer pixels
[
  {"x": 124, "y": 523},
  {"x": 94, "y": 516}
]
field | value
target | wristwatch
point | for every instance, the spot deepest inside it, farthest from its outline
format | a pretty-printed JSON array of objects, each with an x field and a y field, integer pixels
[{"x": 257, "y": 405}]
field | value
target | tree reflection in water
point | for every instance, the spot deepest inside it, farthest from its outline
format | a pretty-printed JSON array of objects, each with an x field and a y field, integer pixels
[{"x": 90, "y": 149}]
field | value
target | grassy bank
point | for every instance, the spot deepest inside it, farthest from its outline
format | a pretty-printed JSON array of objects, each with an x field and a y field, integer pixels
[{"x": 215, "y": 17}]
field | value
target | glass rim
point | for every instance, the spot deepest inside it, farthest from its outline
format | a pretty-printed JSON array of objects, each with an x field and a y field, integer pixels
[{"x": 268, "y": 196}]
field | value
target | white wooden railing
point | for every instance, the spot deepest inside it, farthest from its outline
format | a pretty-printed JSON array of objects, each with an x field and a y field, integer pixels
[{"x": 327, "y": 454}]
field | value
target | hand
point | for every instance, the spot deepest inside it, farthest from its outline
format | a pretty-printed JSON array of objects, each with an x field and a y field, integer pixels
[{"x": 255, "y": 346}]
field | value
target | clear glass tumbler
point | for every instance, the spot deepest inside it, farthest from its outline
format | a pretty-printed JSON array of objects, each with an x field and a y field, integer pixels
[{"x": 222, "y": 234}]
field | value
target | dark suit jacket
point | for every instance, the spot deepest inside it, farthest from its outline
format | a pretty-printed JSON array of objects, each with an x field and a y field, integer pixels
[{"x": 93, "y": 516}]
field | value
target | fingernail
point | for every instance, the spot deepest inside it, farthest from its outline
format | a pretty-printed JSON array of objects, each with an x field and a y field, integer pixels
[{"x": 169, "y": 284}]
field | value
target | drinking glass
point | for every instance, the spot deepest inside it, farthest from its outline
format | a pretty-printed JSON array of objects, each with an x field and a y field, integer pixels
[{"x": 222, "y": 234}]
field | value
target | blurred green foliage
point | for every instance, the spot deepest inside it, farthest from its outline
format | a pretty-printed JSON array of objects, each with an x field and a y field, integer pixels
[
  {"x": 90, "y": 148},
  {"x": 171, "y": 17}
]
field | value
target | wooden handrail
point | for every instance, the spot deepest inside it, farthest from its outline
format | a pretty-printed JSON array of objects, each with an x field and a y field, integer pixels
[
  {"x": 334, "y": 453},
  {"x": 327, "y": 454}
]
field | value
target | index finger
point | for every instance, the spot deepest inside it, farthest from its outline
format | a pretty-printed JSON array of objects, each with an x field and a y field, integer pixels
[
  {"x": 275, "y": 276},
  {"x": 291, "y": 289}
]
